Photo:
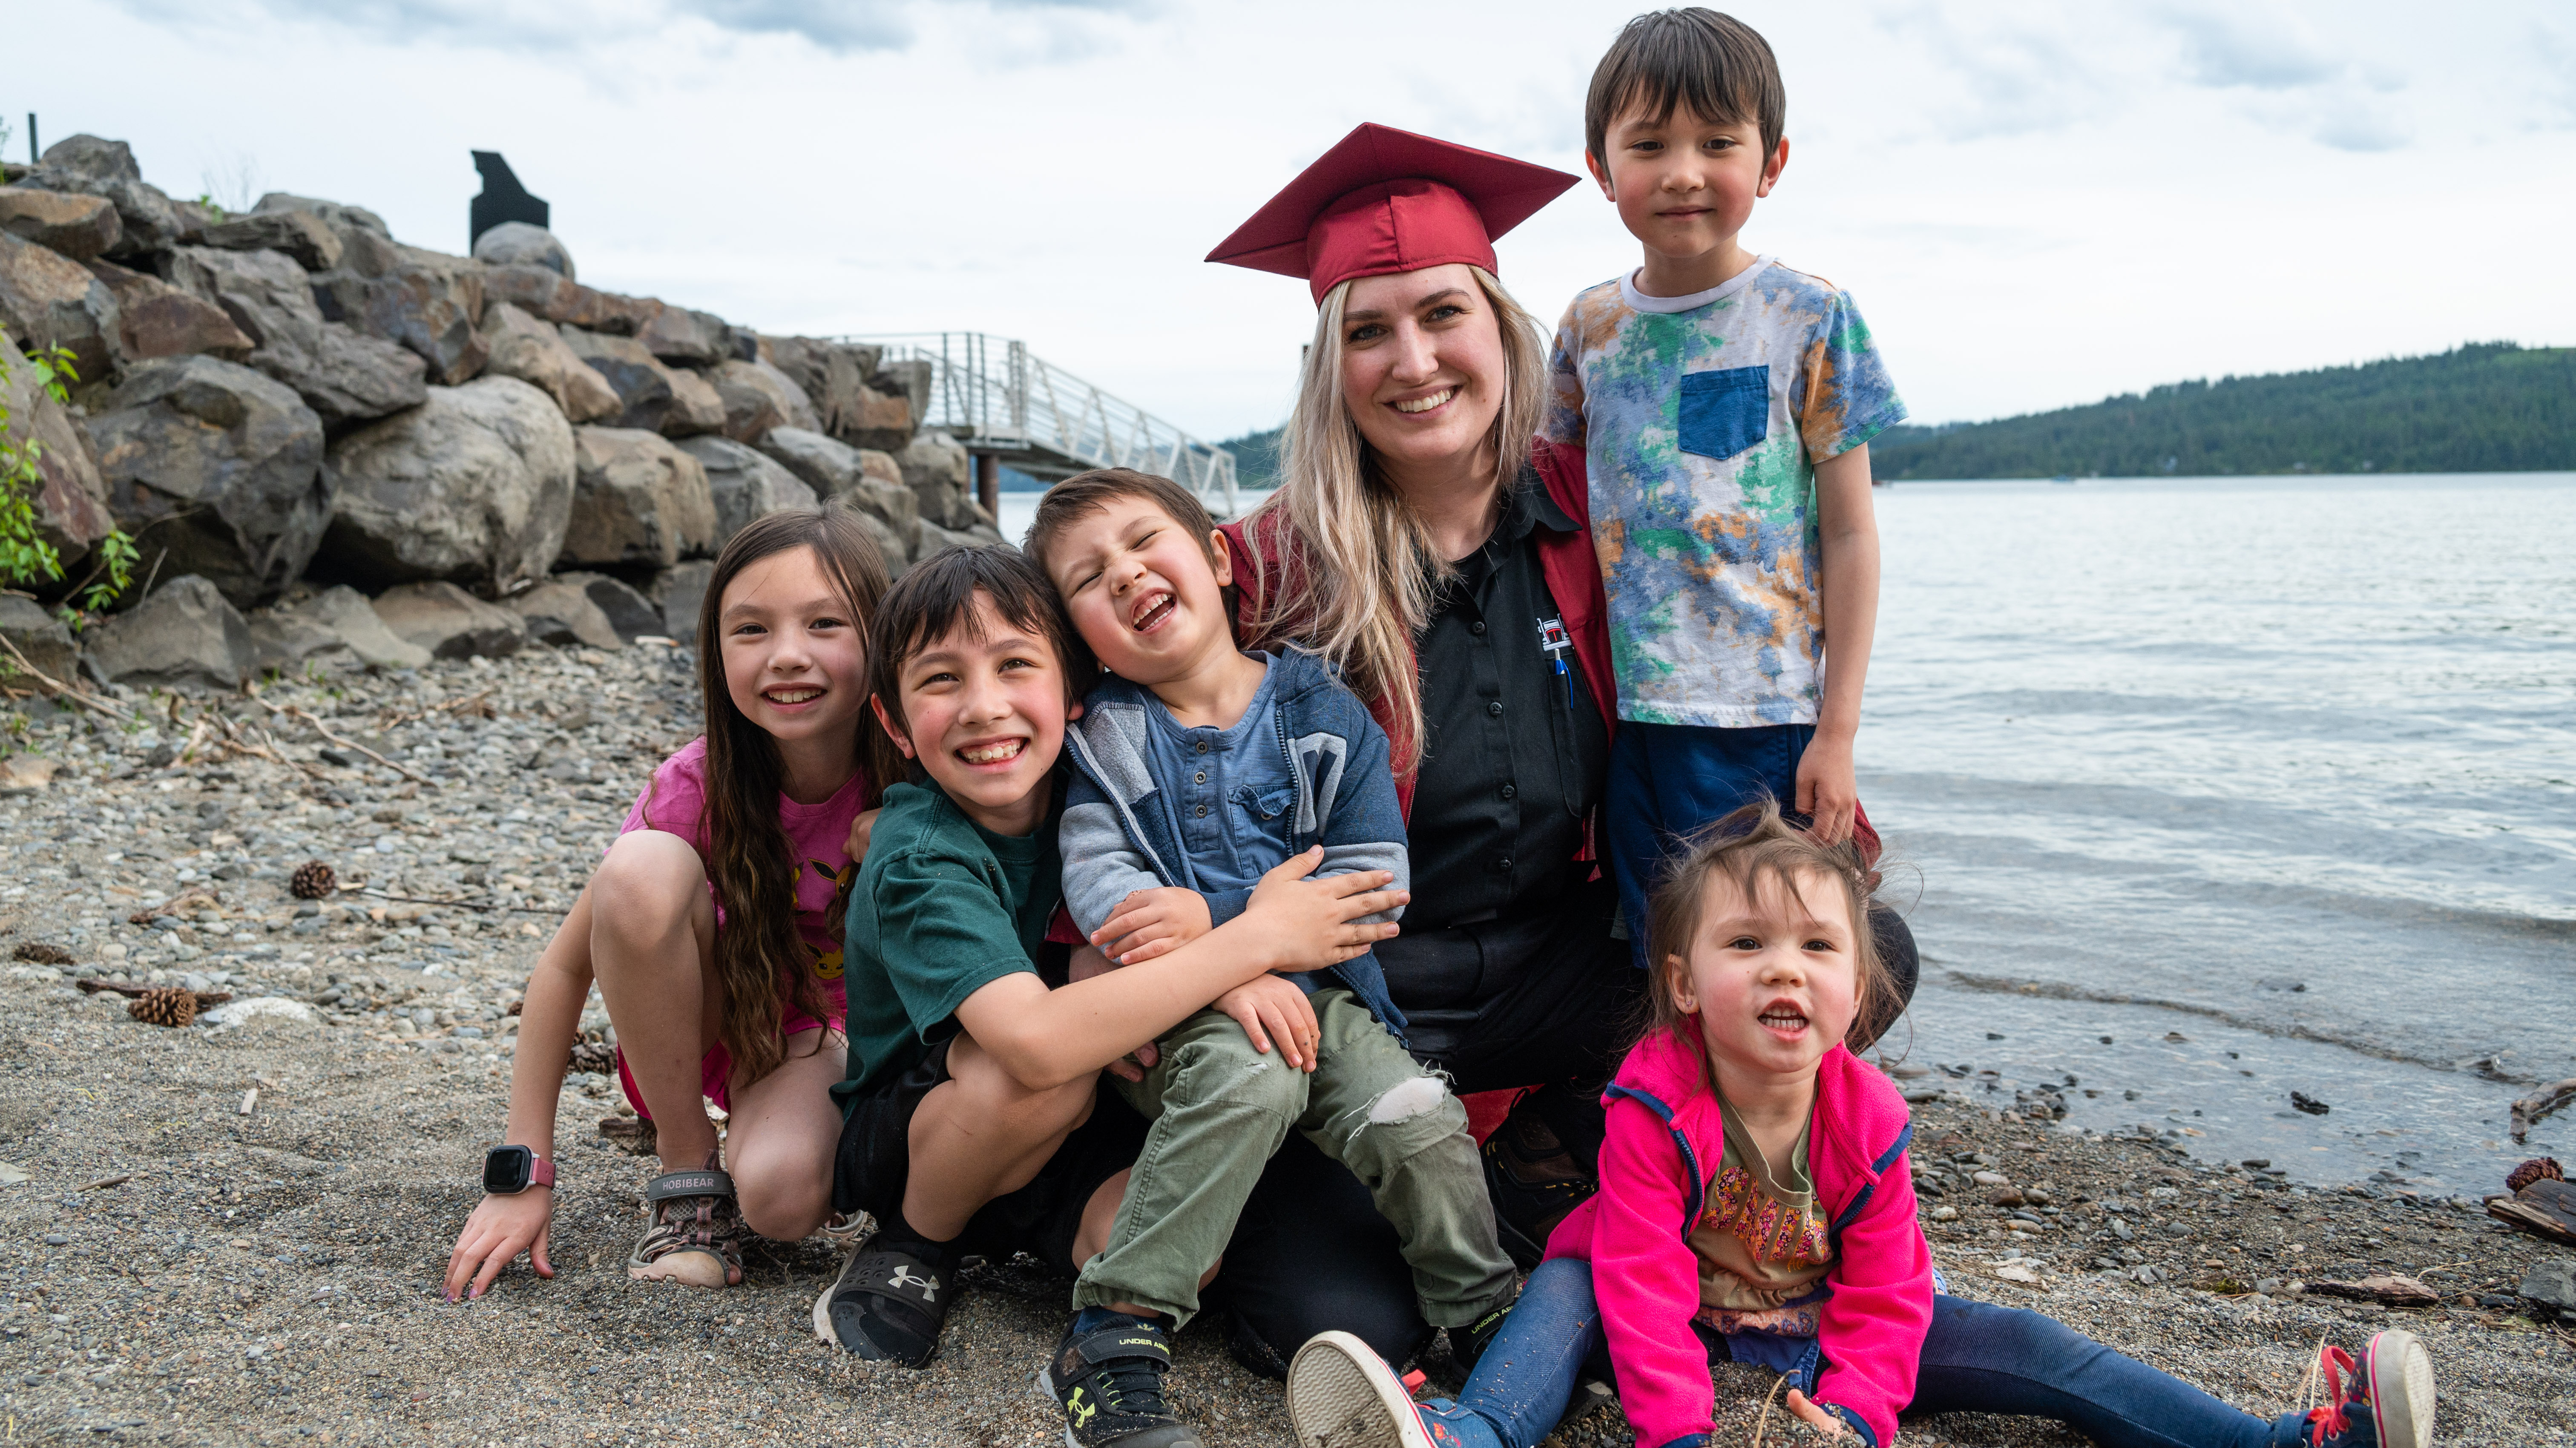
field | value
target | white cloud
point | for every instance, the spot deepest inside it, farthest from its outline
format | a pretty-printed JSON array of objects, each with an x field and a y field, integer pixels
[{"x": 2034, "y": 204}]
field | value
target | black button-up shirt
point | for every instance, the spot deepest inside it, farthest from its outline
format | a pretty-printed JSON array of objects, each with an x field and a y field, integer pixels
[{"x": 1515, "y": 753}]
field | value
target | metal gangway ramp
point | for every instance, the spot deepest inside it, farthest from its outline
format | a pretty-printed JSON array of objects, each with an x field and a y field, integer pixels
[{"x": 1006, "y": 406}]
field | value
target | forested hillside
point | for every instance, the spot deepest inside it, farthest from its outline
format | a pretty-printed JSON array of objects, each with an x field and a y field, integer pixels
[{"x": 2486, "y": 407}]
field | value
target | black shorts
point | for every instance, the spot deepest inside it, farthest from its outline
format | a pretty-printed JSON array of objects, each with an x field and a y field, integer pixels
[{"x": 875, "y": 1160}]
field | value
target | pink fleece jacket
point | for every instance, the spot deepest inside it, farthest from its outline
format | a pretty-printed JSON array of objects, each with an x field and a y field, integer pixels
[{"x": 1664, "y": 1142}]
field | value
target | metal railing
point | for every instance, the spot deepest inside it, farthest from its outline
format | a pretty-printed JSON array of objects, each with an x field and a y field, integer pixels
[{"x": 993, "y": 397}]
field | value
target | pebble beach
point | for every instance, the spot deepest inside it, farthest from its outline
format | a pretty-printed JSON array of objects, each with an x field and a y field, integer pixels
[{"x": 231, "y": 1231}]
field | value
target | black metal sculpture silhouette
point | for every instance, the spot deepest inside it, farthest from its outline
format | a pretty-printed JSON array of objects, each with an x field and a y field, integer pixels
[{"x": 503, "y": 198}]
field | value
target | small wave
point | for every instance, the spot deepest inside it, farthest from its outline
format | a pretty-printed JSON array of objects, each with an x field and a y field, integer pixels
[{"x": 2484, "y": 1066}]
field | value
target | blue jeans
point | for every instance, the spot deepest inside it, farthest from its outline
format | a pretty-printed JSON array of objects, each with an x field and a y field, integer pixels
[
  {"x": 1978, "y": 1358},
  {"x": 1668, "y": 780}
]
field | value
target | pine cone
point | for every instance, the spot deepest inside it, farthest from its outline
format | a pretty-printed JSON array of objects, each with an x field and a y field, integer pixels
[
  {"x": 40, "y": 953},
  {"x": 313, "y": 881},
  {"x": 594, "y": 1056},
  {"x": 2539, "y": 1168},
  {"x": 168, "y": 1006}
]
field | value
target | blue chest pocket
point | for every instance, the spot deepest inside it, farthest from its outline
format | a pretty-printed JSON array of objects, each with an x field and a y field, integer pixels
[
  {"x": 1264, "y": 804},
  {"x": 1726, "y": 411}
]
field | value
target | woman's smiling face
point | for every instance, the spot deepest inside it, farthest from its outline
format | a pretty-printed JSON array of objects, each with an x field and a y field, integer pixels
[
  {"x": 1422, "y": 364},
  {"x": 795, "y": 658}
]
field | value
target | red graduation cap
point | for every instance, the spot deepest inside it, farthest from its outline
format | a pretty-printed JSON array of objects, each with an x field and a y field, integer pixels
[{"x": 1385, "y": 200}]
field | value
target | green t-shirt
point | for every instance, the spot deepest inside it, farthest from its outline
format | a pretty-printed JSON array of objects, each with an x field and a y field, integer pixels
[{"x": 943, "y": 908}]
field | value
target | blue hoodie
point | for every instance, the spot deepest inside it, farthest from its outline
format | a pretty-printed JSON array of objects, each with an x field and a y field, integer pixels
[{"x": 1119, "y": 833}]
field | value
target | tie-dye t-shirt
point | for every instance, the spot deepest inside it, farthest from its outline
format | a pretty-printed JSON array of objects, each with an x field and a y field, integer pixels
[{"x": 1701, "y": 419}]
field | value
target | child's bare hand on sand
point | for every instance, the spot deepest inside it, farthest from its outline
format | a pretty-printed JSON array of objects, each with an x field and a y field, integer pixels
[{"x": 500, "y": 1229}]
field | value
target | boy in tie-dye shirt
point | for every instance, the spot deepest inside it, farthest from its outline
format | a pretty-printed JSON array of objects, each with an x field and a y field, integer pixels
[{"x": 1724, "y": 403}]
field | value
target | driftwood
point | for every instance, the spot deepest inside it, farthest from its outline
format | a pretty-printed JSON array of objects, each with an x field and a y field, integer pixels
[
  {"x": 2539, "y": 1104},
  {"x": 2394, "y": 1291},
  {"x": 2544, "y": 1208},
  {"x": 131, "y": 990}
]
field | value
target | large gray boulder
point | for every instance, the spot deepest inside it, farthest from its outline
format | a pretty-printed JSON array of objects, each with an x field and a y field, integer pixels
[
  {"x": 559, "y": 611},
  {"x": 339, "y": 217},
  {"x": 183, "y": 636},
  {"x": 156, "y": 319},
  {"x": 147, "y": 220},
  {"x": 94, "y": 156},
  {"x": 474, "y": 486},
  {"x": 636, "y": 500},
  {"x": 65, "y": 223},
  {"x": 49, "y": 300},
  {"x": 217, "y": 467},
  {"x": 680, "y": 592},
  {"x": 888, "y": 410},
  {"x": 550, "y": 296},
  {"x": 430, "y": 310},
  {"x": 70, "y": 498},
  {"x": 834, "y": 469},
  {"x": 354, "y": 621},
  {"x": 449, "y": 622},
  {"x": 758, "y": 397},
  {"x": 282, "y": 640},
  {"x": 343, "y": 376},
  {"x": 744, "y": 484},
  {"x": 653, "y": 397},
  {"x": 534, "y": 352},
  {"x": 34, "y": 631},
  {"x": 936, "y": 540},
  {"x": 676, "y": 334},
  {"x": 832, "y": 375},
  {"x": 516, "y": 243},
  {"x": 629, "y": 612},
  {"x": 941, "y": 475},
  {"x": 299, "y": 234},
  {"x": 355, "y": 377}
]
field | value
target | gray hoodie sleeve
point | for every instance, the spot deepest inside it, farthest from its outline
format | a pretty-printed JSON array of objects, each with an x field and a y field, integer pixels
[{"x": 1101, "y": 867}]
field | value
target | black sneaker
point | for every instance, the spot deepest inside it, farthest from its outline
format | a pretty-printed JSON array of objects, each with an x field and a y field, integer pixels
[
  {"x": 1109, "y": 1382},
  {"x": 1534, "y": 1183}
]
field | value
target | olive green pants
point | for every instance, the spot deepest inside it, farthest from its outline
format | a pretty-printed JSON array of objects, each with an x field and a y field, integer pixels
[{"x": 1220, "y": 1109}]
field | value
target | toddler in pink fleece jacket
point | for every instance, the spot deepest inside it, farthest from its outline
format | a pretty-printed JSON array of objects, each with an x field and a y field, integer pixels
[{"x": 1755, "y": 1205}]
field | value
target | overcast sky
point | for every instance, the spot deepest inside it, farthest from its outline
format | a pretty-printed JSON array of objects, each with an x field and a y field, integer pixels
[{"x": 2034, "y": 204}]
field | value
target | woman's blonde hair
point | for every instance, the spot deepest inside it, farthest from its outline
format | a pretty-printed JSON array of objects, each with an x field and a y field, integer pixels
[{"x": 1358, "y": 555}]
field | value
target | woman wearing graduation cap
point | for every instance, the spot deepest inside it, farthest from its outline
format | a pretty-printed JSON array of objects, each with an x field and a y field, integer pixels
[{"x": 1425, "y": 539}]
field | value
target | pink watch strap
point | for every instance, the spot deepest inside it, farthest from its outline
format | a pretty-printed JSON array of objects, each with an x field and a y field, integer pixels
[{"x": 541, "y": 1172}]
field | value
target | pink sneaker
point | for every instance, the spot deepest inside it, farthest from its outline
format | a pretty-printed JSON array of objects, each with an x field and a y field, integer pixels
[{"x": 2383, "y": 1401}]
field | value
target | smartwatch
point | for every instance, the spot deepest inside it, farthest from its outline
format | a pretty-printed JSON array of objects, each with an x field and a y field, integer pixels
[{"x": 509, "y": 1169}]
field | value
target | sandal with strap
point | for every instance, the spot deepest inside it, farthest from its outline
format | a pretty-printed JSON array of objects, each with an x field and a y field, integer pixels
[
  {"x": 887, "y": 1305},
  {"x": 696, "y": 1231}
]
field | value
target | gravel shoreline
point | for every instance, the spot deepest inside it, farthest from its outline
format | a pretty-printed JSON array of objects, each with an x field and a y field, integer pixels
[{"x": 230, "y": 1233}]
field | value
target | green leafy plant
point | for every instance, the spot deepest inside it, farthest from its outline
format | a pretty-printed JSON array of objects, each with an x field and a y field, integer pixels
[{"x": 25, "y": 557}]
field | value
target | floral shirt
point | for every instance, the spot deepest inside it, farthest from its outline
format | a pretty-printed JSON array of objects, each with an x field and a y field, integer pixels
[
  {"x": 1763, "y": 1245},
  {"x": 1702, "y": 419}
]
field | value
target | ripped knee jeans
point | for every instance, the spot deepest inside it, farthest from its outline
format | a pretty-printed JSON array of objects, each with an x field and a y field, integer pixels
[{"x": 1219, "y": 1109}]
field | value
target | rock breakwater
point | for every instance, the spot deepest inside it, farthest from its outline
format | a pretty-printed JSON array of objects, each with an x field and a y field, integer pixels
[{"x": 289, "y": 399}]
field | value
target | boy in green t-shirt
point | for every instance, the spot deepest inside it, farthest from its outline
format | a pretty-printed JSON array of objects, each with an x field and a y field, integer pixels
[{"x": 969, "y": 1121}]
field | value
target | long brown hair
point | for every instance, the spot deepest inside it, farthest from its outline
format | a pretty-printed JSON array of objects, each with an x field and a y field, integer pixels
[
  {"x": 755, "y": 876},
  {"x": 1359, "y": 572},
  {"x": 1749, "y": 847}
]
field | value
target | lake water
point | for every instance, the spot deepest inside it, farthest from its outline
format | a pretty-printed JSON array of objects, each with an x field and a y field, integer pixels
[{"x": 2271, "y": 782}]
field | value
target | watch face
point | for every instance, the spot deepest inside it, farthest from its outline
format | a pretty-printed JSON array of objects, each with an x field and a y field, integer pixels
[{"x": 506, "y": 1169}]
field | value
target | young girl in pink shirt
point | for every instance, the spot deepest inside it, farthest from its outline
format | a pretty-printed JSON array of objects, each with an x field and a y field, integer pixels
[
  {"x": 713, "y": 928},
  {"x": 1756, "y": 1204}
]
